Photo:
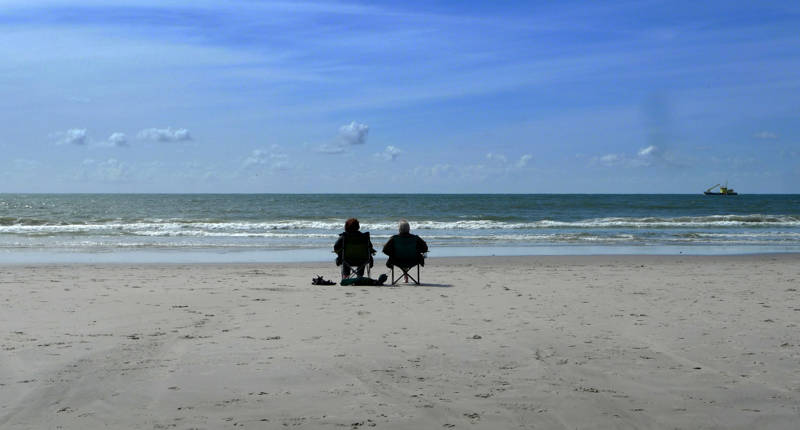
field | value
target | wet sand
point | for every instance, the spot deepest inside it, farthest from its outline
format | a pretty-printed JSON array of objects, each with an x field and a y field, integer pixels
[{"x": 509, "y": 342}]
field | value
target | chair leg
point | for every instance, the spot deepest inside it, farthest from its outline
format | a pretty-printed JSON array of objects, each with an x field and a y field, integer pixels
[
  {"x": 399, "y": 277},
  {"x": 408, "y": 275},
  {"x": 350, "y": 271},
  {"x": 355, "y": 271},
  {"x": 405, "y": 276}
]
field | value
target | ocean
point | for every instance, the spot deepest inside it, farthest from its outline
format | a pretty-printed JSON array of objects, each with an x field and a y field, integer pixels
[{"x": 292, "y": 227}]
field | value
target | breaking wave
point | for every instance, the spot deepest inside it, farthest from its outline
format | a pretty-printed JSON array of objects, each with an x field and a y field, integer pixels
[{"x": 39, "y": 227}]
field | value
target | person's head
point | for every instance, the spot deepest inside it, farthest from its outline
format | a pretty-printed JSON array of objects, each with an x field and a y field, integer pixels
[
  {"x": 403, "y": 226},
  {"x": 351, "y": 225}
]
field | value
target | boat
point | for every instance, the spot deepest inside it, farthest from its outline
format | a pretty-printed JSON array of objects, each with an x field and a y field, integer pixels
[{"x": 723, "y": 191}]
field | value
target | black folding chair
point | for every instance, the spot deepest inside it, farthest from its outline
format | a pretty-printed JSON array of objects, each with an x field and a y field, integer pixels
[
  {"x": 356, "y": 254},
  {"x": 405, "y": 258}
]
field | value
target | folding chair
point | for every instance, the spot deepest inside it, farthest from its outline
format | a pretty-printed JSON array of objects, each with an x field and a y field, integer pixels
[
  {"x": 405, "y": 258},
  {"x": 355, "y": 255}
]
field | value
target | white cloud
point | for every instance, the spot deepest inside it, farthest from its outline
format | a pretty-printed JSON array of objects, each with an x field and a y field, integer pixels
[
  {"x": 73, "y": 136},
  {"x": 500, "y": 158},
  {"x": 349, "y": 134},
  {"x": 765, "y": 135},
  {"x": 117, "y": 139},
  {"x": 524, "y": 160},
  {"x": 648, "y": 156},
  {"x": 502, "y": 161},
  {"x": 650, "y": 150},
  {"x": 354, "y": 133},
  {"x": 331, "y": 149},
  {"x": 390, "y": 153},
  {"x": 465, "y": 173},
  {"x": 610, "y": 159},
  {"x": 273, "y": 159},
  {"x": 165, "y": 134},
  {"x": 498, "y": 168},
  {"x": 257, "y": 157}
]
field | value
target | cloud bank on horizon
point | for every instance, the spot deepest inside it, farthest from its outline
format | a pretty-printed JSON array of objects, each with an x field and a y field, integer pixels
[{"x": 325, "y": 96}]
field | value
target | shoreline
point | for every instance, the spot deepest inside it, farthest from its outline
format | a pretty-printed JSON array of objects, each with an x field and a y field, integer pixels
[
  {"x": 321, "y": 255},
  {"x": 430, "y": 261}
]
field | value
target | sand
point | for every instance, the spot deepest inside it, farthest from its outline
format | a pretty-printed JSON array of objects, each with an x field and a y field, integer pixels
[{"x": 601, "y": 342}]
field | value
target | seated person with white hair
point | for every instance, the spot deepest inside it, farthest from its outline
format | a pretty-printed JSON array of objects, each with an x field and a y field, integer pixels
[{"x": 405, "y": 231}]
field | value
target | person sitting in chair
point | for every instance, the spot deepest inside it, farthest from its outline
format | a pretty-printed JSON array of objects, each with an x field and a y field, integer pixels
[
  {"x": 405, "y": 232},
  {"x": 351, "y": 232}
]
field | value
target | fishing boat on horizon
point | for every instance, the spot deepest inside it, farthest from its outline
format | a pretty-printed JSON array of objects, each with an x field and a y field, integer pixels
[{"x": 723, "y": 191}]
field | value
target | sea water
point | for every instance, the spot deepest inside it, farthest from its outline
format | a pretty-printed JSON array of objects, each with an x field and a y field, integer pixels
[{"x": 292, "y": 227}]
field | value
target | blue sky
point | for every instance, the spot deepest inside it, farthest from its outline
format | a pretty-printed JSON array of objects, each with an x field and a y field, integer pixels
[{"x": 531, "y": 97}]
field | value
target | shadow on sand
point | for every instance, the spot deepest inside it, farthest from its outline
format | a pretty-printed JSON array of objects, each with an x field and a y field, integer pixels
[
  {"x": 410, "y": 285},
  {"x": 424, "y": 284}
]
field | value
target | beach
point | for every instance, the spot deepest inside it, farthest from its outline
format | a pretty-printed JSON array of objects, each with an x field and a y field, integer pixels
[
  {"x": 497, "y": 342},
  {"x": 605, "y": 196}
]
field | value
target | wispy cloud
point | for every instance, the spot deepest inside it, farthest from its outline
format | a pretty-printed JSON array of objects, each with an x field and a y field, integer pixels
[
  {"x": 608, "y": 159},
  {"x": 523, "y": 161},
  {"x": 648, "y": 151},
  {"x": 73, "y": 136},
  {"x": 497, "y": 168},
  {"x": 500, "y": 160},
  {"x": 273, "y": 159},
  {"x": 329, "y": 148},
  {"x": 165, "y": 134},
  {"x": 765, "y": 135},
  {"x": 650, "y": 155},
  {"x": 256, "y": 158}
]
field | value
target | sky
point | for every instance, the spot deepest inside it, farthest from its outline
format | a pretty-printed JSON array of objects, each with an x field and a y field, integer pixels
[{"x": 399, "y": 96}]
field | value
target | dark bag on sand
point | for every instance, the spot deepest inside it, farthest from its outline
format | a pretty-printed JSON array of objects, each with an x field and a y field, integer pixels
[
  {"x": 319, "y": 280},
  {"x": 364, "y": 281}
]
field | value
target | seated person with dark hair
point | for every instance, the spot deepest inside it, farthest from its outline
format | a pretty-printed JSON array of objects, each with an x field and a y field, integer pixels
[
  {"x": 405, "y": 231},
  {"x": 351, "y": 227}
]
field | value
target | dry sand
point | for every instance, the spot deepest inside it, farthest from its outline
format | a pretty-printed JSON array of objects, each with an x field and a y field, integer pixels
[{"x": 531, "y": 342}]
